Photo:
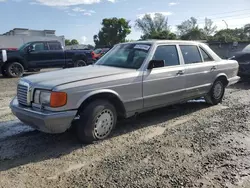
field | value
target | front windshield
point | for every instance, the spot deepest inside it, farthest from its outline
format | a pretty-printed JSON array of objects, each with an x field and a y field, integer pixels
[
  {"x": 126, "y": 56},
  {"x": 247, "y": 49},
  {"x": 24, "y": 46}
]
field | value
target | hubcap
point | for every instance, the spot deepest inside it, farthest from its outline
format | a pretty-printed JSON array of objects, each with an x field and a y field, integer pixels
[
  {"x": 104, "y": 124},
  {"x": 218, "y": 89},
  {"x": 15, "y": 70}
]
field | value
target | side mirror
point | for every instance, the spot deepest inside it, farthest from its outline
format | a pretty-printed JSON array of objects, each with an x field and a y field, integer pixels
[
  {"x": 30, "y": 48},
  {"x": 156, "y": 64}
]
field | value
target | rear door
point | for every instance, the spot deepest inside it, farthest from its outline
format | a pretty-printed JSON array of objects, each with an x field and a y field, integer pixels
[
  {"x": 56, "y": 54},
  {"x": 200, "y": 70},
  {"x": 164, "y": 85}
]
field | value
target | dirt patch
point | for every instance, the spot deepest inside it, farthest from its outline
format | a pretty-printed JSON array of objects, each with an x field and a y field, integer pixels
[{"x": 186, "y": 145}]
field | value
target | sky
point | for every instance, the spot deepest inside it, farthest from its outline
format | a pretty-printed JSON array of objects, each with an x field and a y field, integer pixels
[{"x": 81, "y": 19}]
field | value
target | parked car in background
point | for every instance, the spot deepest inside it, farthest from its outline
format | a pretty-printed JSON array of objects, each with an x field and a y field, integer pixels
[
  {"x": 243, "y": 59},
  {"x": 99, "y": 52},
  {"x": 131, "y": 78},
  {"x": 41, "y": 54}
]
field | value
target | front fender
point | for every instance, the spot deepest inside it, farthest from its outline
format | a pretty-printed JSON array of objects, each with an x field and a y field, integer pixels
[{"x": 101, "y": 91}]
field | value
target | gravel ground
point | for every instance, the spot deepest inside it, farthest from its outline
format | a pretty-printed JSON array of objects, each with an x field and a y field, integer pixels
[{"x": 186, "y": 145}]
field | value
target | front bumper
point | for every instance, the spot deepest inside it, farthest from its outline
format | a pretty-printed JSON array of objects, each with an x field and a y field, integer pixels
[{"x": 45, "y": 121}]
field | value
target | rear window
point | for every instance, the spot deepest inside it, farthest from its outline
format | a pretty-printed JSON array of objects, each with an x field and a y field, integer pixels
[
  {"x": 190, "y": 54},
  {"x": 55, "y": 46}
]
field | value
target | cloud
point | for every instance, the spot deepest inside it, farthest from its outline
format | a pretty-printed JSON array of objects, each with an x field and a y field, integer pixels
[
  {"x": 152, "y": 14},
  {"x": 71, "y": 14},
  {"x": 2, "y": 1},
  {"x": 172, "y": 4},
  {"x": 69, "y": 2},
  {"x": 83, "y": 39},
  {"x": 78, "y": 9},
  {"x": 87, "y": 14}
]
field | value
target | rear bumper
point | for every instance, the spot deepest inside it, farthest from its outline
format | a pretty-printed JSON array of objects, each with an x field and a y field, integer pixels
[
  {"x": 45, "y": 121},
  {"x": 233, "y": 80}
]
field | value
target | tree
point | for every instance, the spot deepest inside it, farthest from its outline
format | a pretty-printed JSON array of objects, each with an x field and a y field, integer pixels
[
  {"x": 230, "y": 35},
  {"x": 67, "y": 42},
  {"x": 155, "y": 27},
  {"x": 114, "y": 30},
  {"x": 247, "y": 29},
  {"x": 209, "y": 28},
  {"x": 74, "y": 42},
  {"x": 187, "y": 26}
]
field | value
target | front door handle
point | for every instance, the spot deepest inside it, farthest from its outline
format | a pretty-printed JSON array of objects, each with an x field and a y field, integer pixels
[
  {"x": 180, "y": 72},
  {"x": 213, "y": 68}
]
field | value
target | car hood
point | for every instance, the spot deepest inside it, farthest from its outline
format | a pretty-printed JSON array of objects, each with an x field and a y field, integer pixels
[{"x": 49, "y": 80}]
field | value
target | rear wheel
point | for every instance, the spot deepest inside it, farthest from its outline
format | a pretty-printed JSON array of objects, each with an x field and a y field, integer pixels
[
  {"x": 216, "y": 93},
  {"x": 80, "y": 63},
  {"x": 96, "y": 121},
  {"x": 14, "y": 69}
]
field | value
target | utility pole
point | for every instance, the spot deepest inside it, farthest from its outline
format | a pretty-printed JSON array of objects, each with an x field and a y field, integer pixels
[{"x": 225, "y": 23}]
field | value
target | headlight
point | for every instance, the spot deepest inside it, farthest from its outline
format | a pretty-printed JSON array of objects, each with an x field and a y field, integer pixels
[
  {"x": 42, "y": 97},
  {"x": 52, "y": 99}
]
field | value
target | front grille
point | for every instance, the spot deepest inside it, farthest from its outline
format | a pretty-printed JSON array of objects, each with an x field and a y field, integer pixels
[{"x": 22, "y": 94}]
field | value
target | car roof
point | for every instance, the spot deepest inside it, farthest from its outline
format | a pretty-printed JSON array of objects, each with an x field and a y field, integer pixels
[
  {"x": 45, "y": 41},
  {"x": 184, "y": 42}
]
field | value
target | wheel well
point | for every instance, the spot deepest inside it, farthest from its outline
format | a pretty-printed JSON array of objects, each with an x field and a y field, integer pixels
[
  {"x": 80, "y": 57},
  {"x": 223, "y": 79},
  {"x": 15, "y": 60},
  {"x": 112, "y": 98}
]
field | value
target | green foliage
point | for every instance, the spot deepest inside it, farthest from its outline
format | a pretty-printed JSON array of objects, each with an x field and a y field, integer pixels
[
  {"x": 67, "y": 42},
  {"x": 71, "y": 42},
  {"x": 247, "y": 29},
  {"x": 230, "y": 35},
  {"x": 154, "y": 28},
  {"x": 189, "y": 29},
  {"x": 113, "y": 31},
  {"x": 74, "y": 42}
]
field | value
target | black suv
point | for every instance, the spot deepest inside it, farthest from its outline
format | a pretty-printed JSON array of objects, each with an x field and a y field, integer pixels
[{"x": 41, "y": 54}]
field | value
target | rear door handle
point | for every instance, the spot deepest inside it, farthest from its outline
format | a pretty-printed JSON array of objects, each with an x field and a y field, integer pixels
[
  {"x": 213, "y": 68},
  {"x": 180, "y": 72}
]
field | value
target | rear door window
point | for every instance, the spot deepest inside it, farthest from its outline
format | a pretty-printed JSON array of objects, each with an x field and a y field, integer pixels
[
  {"x": 168, "y": 53},
  {"x": 55, "y": 46},
  {"x": 190, "y": 54}
]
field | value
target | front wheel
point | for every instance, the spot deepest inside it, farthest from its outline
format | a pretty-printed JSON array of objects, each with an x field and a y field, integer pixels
[
  {"x": 96, "y": 121},
  {"x": 216, "y": 93},
  {"x": 14, "y": 69}
]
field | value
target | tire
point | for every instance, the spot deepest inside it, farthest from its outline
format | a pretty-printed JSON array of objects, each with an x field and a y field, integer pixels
[
  {"x": 80, "y": 63},
  {"x": 216, "y": 93},
  {"x": 96, "y": 121},
  {"x": 14, "y": 69}
]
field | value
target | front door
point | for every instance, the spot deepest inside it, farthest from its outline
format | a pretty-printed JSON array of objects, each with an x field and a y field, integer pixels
[
  {"x": 37, "y": 57},
  {"x": 164, "y": 85}
]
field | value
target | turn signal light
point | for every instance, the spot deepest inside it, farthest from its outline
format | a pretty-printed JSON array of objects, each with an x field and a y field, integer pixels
[{"x": 58, "y": 99}]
